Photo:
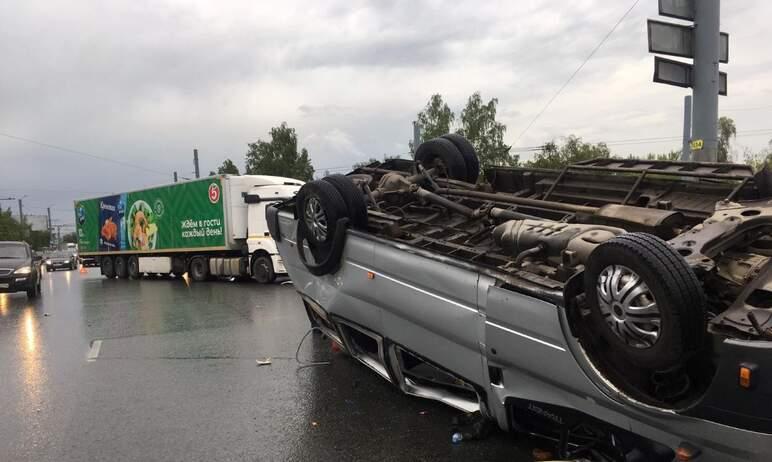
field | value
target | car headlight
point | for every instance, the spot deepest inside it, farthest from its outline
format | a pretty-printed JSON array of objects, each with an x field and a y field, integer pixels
[
  {"x": 48, "y": 262},
  {"x": 23, "y": 270},
  {"x": 66, "y": 261}
]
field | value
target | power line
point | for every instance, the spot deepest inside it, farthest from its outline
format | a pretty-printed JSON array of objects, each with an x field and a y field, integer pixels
[
  {"x": 54, "y": 190},
  {"x": 81, "y": 153},
  {"x": 758, "y": 108},
  {"x": 578, "y": 69}
]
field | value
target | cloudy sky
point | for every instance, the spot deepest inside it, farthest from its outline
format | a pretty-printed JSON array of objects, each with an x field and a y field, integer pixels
[{"x": 144, "y": 82}]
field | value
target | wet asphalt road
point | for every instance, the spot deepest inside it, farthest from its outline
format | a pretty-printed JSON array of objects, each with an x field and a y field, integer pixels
[{"x": 176, "y": 379}]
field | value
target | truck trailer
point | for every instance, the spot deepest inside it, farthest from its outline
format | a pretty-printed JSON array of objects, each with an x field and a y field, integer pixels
[{"x": 208, "y": 228}]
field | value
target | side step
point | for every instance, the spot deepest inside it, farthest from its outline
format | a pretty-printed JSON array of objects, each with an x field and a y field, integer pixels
[
  {"x": 419, "y": 377},
  {"x": 364, "y": 345}
]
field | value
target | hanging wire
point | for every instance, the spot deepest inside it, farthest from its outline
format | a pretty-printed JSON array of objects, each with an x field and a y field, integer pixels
[{"x": 309, "y": 363}]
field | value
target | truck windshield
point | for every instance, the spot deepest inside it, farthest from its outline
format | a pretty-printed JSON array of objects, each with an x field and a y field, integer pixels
[{"x": 13, "y": 251}]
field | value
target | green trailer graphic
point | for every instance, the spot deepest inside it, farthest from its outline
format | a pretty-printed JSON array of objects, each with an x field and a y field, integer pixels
[{"x": 181, "y": 216}]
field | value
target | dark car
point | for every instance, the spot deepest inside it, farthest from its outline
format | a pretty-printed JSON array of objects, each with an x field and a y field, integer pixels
[
  {"x": 19, "y": 269},
  {"x": 61, "y": 260},
  {"x": 89, "y": 261}
]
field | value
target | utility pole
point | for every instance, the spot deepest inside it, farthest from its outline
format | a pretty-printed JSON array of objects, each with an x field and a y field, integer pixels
[
  {"x": 21, "y": 218},
  {"x": 416, "y": 136},
  {"x": 175, "y": 177},
  {"x": 50, "y": 233},
  {"x": 195, "y": 162},
  {"x": 686, "y": 149},
  {"x": 707, "y": 14}
]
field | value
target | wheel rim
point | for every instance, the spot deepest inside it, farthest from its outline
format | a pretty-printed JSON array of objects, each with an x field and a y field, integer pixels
[
  {"x": 316, "y": 219},
  {"x": 261, "y": 271},
  {"x": 629, "y": 307}
]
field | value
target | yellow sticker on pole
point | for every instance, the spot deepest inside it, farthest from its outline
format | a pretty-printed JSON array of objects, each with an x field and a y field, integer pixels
[{"x": 696, "y": 145}]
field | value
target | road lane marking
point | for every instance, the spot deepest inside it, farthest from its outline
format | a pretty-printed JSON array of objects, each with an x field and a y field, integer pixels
[{"x": 93, "y": 353}]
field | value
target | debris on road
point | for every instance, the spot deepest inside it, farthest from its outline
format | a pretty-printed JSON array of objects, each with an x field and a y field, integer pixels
[{"x": 263, "y": 362}]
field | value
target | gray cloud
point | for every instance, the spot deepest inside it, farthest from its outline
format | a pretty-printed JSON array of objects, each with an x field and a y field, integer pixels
[{"x": 146, "y": 82}]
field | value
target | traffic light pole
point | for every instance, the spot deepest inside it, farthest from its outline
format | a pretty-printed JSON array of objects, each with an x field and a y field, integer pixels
[{"x": 707, "y": 40}]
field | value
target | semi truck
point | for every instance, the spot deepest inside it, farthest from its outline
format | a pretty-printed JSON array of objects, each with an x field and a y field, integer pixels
[{"x": 210, "y": 227}]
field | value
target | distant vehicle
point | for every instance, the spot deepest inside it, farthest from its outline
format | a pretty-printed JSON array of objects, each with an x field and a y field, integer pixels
[
  {"x": 618, "y": 307},
  {"x": 89, "y": 261},
  {"x": 60, "y": 260},
  {"x": 207, "y": 228},
  {"x": 19, "y": 269}
]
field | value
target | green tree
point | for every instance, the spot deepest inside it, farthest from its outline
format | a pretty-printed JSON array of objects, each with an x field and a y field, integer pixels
[
  {"x": 436, "y": 118},
  {"x": 70, "y": 237},
  {"x": 761, "y": 159},
  {"x": 479, "y": 126},
  {"x": 280, "y": 156},
  {"x": 369, "y": 161},
  {"x": 364, "y": 163},
  {"x": 726, "y": 131},
  {"x": 672, "y": 155},
  {"x": 12, "y": 230},
  {"x": 227, "y": 168},
  {"x": 38, "y": 239},
  {"x": 572, "y": 150}
]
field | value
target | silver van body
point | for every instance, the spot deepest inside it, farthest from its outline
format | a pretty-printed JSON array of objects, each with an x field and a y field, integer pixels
[{"x": 469, "y": 323}]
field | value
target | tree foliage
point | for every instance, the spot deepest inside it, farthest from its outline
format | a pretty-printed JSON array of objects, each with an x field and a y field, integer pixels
[
  {"x": 369, "y": 161},
  {"x": 364, "y": 163},
  {"x": 280, "y": 156},
  {"x": 227, "y": 168},
  {"x": 672, "y": 155},
  {"x": 759, "y": 160},
  {"x": 436, "y": 118},
  {"x": 726, "y": 131},
  {"x": 573, "y": 149},
  {"x": 12, "y": 230},
  {"x": 479, "y": 126}
]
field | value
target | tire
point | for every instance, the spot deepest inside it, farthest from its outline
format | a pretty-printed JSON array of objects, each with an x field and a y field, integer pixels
[
  {"x": 439, "y": 152},
  {"x": 262, "y": 269},
  {"x": 319, "y": 206},
  {"x": 199, "y": 269},
  {"x": 108, "y": 267},
  {"x": 121, "y": 267},
  {"x": 353, "y": 197},
  {"x": 468, "y": 153},
  {"x": 133, "y": 268},
  {"x": 34, "y": 292},
  {"x": 624, "y": 311}
]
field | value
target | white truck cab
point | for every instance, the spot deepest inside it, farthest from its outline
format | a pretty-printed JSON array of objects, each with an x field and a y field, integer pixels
[{"x": 259, "y": 240}]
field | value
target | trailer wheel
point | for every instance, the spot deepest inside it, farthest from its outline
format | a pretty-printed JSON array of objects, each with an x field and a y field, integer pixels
[
  {"x": 262, "y": 269},
  {"x": 199, "y": 269},
  {"x": 319, "y": 206},
  {"x": 443, "y": 155},
  {"x": 468, "y": 153},
  {"x": 121, "y": 267},
  {"x": 645, "y": 301},
  {"x": 133, "y": 267},
  {"x": 353, "y": 197},
  {"x": 108, "y": 267}
]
